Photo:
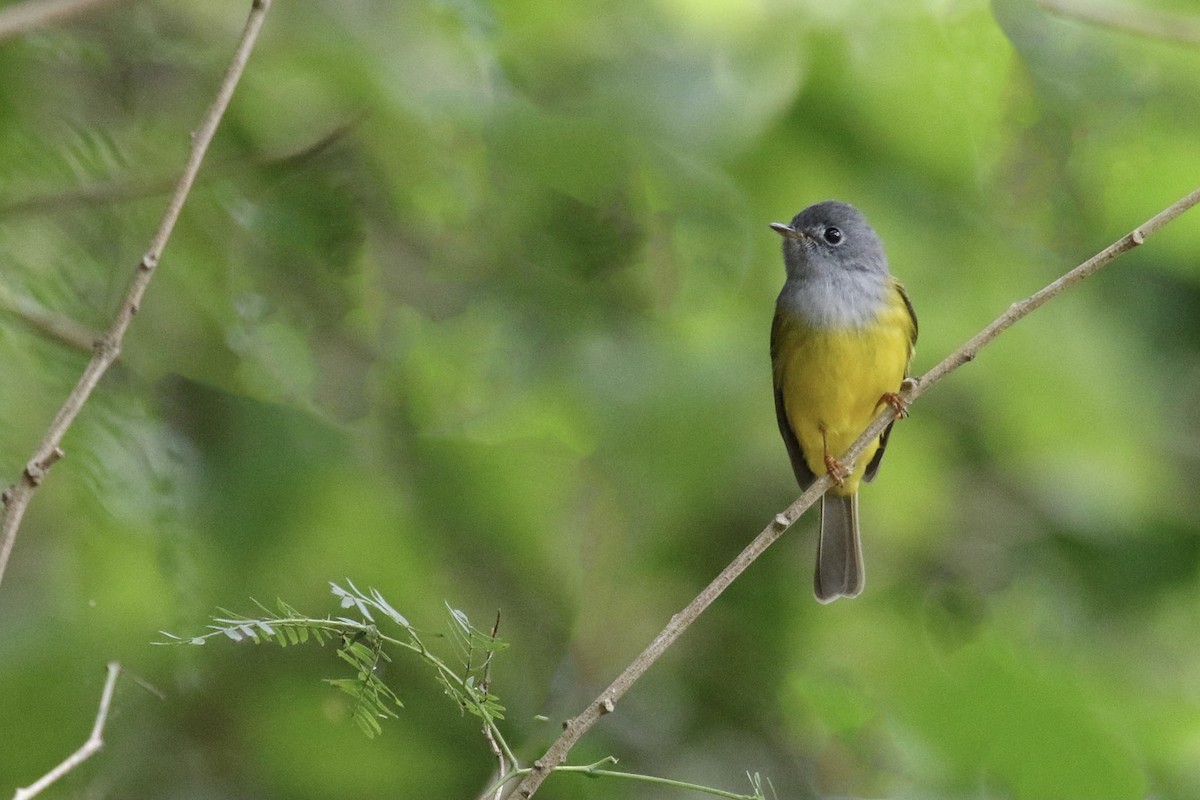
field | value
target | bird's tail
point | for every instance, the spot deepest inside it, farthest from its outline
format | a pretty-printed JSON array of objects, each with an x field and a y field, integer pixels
[{"x": 839, "y": 551}]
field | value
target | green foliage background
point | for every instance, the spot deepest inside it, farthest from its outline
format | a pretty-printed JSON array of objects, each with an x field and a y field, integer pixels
[{"x": 471, "y": 306}]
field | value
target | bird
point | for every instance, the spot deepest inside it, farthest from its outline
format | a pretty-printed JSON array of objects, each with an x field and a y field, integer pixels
[{"x": 842, "y": 341}]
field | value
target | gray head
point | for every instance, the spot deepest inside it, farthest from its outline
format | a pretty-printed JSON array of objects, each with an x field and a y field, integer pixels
[
  {"x": 830, "y": 237},
  {"x": 837, "y": 274}
]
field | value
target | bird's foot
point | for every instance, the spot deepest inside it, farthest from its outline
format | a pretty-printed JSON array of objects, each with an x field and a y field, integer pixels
[
  {"x": 837, "y": 470},
  {"x": 897, "y": 402}
]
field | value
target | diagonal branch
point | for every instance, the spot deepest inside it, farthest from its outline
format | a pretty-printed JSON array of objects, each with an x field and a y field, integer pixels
[
  {"x": 16, "y": 498},
  {"x": 94, "y": 742},
  {"x": 606, "y": 702}
]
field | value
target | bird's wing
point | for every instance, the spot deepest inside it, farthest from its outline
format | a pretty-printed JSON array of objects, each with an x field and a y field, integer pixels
[
  {"x": 912, "y": 340},
  {"x": 873, "y": 467},
  {"x": 804, "y": 475}
]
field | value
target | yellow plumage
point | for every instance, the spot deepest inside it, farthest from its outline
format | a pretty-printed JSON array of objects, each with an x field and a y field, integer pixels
[{"x": 832, "y": 380}]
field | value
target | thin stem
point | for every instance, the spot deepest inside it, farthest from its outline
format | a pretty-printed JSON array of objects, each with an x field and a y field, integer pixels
[
  {"x": 330, "y": 627},
  {"x": 592, "y": 771},
  {"x": 504, "y": 757},
  {"x": 16, "y": 498},
  {"x": 501, "y": 762},
  {"x": 334, "y": 628},
  {"x": 94, "y": 742},
  {"x": 596, "y": 771},
  {"x": 492, "y": 731},
  {"x": 606, "y": 702}
]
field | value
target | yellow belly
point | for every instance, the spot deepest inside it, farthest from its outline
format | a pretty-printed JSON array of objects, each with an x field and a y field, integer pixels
[{"x": 832, "y": 382}]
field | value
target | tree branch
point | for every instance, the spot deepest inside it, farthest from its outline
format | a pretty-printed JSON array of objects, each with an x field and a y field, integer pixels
[
  {"x": 606, "y": 702},
  {"x": 89, "y": 748},
  {"x": 16, "y": 498},
  {"x": 1140, "y": 21}
]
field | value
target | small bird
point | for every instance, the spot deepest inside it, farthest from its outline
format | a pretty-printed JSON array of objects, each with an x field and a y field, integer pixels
[{"x": 841, "y": 343}]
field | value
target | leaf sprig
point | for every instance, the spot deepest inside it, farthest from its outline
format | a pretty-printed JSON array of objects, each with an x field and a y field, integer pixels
[{"x": 365, "y": 649}]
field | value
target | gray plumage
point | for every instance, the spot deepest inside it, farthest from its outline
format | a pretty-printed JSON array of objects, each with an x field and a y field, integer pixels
[
  {"x": 840, "y": 571},
  {"x": 830, "y": 285}
]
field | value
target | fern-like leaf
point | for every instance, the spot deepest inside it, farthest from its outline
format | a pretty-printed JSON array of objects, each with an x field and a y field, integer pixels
[{"x": 363, "y": 648}]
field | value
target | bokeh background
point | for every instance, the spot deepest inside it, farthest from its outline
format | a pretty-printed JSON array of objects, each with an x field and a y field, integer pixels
[{"x": 471, "y": 305}]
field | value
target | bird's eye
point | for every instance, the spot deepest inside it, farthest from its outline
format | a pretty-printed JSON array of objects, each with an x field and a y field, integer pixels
[{"x": 833, "y": 235}]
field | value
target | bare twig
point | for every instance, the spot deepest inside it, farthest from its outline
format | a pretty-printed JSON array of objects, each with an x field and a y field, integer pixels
[
  {"x": 1140, "y": 21},
  {"x": 16, "y": 498},
  {"x": 32, "y": 14},
  {"x": 488, "y": 727},
  {"x": 502, "y": 769},
  {"x": 89, "y": 748},
  {"x": 606, "y": 702},
  {"x": 597, "y": 770}
]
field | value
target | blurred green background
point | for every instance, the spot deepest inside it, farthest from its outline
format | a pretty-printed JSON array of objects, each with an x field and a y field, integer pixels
[{"x": 471, "y": 305}]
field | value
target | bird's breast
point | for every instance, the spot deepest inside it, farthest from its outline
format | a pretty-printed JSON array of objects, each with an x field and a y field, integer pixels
[
  {"x": 833, "y": 376},
  {"x": 836, "y": 299}
]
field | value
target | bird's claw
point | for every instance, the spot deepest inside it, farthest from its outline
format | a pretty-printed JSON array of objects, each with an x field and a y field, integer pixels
[
  {"x": 837, "y": 470},
  {"x": 897, "y": 403}
]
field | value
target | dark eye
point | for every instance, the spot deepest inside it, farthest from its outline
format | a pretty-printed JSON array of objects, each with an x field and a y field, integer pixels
[{"x": 833, "y": 235}]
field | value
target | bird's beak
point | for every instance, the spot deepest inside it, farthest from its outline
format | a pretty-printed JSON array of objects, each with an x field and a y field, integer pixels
[{"x": 787, "y": 231}]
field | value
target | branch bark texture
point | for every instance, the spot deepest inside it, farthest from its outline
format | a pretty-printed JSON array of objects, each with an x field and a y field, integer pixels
[
  {"x": 606, "y": 702},
  {"x": 106, "y": 349}
]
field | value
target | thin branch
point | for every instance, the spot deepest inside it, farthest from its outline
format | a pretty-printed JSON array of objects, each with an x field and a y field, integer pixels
[
  {"x": 502, "y": 769},
  {"x": 489, "y": 731},
  {"x": 89, "y": 748},
  {"x": 32, "y": 14},
  {"x": 1154, "y": 24},
  {"x": 16, "y": 498},
  {"x": 597, "y": 770},
  {"x": 606, "y": 702},
  {"x": 1024, "y": 307},
  {"x": 594, "y": 771}
]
